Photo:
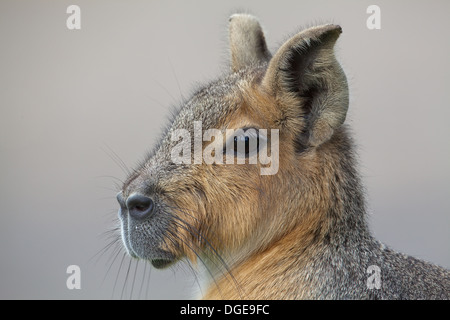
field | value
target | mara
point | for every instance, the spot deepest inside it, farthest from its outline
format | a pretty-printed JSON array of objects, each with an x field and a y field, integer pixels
[{"x": 300, "y": 233}]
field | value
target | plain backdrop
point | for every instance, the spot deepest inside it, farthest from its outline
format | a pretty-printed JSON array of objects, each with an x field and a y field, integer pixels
[{"x": 75, "y": 103}]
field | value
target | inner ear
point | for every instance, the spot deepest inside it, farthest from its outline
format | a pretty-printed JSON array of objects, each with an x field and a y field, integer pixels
[
  {"x": 307, "y": 80},
  {"x": 298, "y": 62}
]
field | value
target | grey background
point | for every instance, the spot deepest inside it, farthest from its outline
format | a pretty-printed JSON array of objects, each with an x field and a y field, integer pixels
[{"x": 69, "y": 100}]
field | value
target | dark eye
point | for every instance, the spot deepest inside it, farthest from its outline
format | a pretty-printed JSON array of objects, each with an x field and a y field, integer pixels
[{"x": 244, "y": 143}]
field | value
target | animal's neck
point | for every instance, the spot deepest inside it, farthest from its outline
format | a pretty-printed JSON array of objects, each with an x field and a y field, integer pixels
[
  {"x": 304, "y": 264},
  {"x": 300, "y": 263},
  {"x": 293, "y": 269}
]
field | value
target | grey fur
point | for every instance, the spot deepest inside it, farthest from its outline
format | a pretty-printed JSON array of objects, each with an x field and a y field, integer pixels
[
  {"x": 247, "y": 42},
  {"x": 334, "y": 263}
]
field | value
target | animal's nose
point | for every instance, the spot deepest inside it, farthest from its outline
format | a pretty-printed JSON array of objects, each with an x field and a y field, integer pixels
[{"x": 139, "y": 206}]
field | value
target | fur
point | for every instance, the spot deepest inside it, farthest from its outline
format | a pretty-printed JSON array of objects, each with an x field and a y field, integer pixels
[{"x": 298, "y": 234}]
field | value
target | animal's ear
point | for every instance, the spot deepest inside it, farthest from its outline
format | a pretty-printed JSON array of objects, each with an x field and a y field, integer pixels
[
  {"x": 247, "y": 42},
  {"x": 309, "y": 84}
]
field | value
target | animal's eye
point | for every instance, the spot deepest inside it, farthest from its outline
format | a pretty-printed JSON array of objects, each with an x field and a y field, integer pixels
[{"x": 244, "y": 143}]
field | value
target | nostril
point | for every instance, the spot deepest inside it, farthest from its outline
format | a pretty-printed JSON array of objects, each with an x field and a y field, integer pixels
[{"x": 139, "y": 206}]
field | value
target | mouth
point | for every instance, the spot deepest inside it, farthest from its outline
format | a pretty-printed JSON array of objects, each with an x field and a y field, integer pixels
[
  {"x": 161, "y": 263},
  {"x": 158, "y": 262},
  {"x": 147, "y": 249},
  {"x": 146, "y": 240},
  {"x": 160, "y": 259}
]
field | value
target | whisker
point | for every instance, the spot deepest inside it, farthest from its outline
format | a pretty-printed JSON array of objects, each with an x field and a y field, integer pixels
[
  {"x": 117, "y": 249},
  {"x": 148, "y": 281},
  {"x": 143, "y": 278},
  {"x": 108, "y": 197},
  {"x": 110, "y": 177},
  {"x": 118, "y": 161},
  {"x": 111, "y": 215},
  {"x": 185, "y": 212},
  {"x": 114, "y": 190},
  {"x": 102, "y": 251},
  {"x": 126, "y": 279},
  {"x": 118, "y": 272},
  {"x": 202, "y": 239},
  {"x": 111, "y": 231},
  {"x": 197, "y": 234},
  {"x": 134, "y": 279},
  {"x": 111, "y": 264},
  {"x": 194, "y": 273},
  {"x": 186, "y": 243},
  {"x": 167, "y": 91},
  {"x": 193, "y": 250},
  {"x": 176, "y": 79}
]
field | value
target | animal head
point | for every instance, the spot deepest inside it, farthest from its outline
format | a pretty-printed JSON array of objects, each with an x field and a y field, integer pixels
[{"x": 291, "y": 104}]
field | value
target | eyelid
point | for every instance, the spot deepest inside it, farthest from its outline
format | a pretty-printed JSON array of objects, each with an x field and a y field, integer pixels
[{"x": 253, "y": 134}]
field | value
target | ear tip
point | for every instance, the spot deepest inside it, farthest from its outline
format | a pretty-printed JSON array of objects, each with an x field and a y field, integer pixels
[
  {"x": 242, "y": 16},
  {"x": 338, "y": 28},
  {"x": 327, "y": 31},
  {"x": 334, "y": 28},
  {"x": 244, "y": 23}
]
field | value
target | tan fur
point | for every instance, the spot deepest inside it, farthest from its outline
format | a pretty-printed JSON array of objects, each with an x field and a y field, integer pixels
[
  {"x": 298, "y": 234},
  {"x": 246, "y": 222}
]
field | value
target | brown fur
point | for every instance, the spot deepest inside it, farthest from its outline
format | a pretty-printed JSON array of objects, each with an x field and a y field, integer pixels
[{"x": 298, "y": 234}]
